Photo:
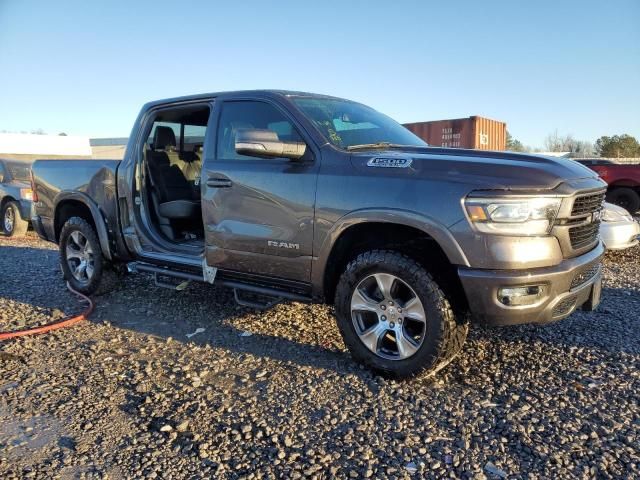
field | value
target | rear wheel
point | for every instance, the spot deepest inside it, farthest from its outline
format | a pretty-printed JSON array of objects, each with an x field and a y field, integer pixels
[
  {"x": 394, "y": 317},
  {"x": 12, "y": 223},
  {"x": 624, "y": 197},
  {"x": 81, "y": 258}
]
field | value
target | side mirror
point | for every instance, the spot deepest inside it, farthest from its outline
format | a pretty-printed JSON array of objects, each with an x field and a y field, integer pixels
[{"x": 265, "y": 143}]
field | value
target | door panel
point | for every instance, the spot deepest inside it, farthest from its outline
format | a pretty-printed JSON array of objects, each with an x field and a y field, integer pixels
[{"x": 258, "y": 213}]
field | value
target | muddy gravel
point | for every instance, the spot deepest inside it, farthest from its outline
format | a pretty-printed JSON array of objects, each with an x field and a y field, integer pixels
[{"x": 164, "y": 384}]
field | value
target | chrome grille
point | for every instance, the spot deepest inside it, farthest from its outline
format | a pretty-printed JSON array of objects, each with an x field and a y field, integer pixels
[
  {"x": 586, "y": 204},
  {"x": 586, "y": 274},
  {"x": 583, "y": 235},
  {"x": 577, "y": 227}
]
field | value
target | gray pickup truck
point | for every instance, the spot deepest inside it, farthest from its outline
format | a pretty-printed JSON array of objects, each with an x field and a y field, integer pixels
[{"x": 289, "y": 195}]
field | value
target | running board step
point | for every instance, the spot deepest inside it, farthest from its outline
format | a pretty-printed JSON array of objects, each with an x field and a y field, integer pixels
[
  {"x": 277, "y": 295},
  {"x": 257, "y": 304},
  {"x": 145, "y": 267},
  {"x": 179, "y": 286}
]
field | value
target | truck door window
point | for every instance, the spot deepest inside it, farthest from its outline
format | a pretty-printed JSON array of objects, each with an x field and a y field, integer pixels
[{"x": 250, "y": 114}]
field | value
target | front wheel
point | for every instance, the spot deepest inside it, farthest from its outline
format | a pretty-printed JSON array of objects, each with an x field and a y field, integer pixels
[
  {"x": 12, "y": 223},
  {"x": 394, "y": 317}
]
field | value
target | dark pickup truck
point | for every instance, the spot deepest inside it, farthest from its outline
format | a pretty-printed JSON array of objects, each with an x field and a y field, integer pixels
[
  {"x": 287, "y": 195},
  {"x": 623, "y": 182}
]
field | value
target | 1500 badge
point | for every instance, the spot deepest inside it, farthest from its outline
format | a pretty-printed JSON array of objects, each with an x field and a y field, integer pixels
[
  {"x": 390, "y": 162},
  {"x": 293, "y": 246}
]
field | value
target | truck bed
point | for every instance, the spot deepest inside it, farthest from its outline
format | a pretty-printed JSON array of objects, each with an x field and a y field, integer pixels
[{"x": 54, "y": 180}]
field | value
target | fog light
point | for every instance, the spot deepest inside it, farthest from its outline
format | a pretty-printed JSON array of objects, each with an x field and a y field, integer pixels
[{"x": 514, "y": 296}]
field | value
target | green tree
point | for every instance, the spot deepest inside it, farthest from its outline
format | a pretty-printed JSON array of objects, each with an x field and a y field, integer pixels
[
  {"x": 618, "y": 146},
  {"x": 513, "y": 144}
]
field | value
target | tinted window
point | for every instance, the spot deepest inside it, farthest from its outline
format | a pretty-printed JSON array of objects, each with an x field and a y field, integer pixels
[
  {"x": 19, "y": 172},
  {"x": 346, "y": 123},
  {"x": 260, "y": 115}
]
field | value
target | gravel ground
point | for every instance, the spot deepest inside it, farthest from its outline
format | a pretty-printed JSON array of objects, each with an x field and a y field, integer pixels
[{"x": 274, "y": 394}]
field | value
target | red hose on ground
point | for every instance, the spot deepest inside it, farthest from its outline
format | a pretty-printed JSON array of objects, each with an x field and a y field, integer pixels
[{"x": 66, "y": 322}]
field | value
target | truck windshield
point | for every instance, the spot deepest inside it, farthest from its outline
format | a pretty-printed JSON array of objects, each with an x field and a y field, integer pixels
[{"x": 348, "y": 124}]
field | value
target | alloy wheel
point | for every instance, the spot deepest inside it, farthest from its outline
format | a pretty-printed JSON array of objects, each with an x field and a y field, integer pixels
[
  {"x": 388, "y": 316},
  {"x": 80, "y": 257},
  {"x": 9, "y": 220}
]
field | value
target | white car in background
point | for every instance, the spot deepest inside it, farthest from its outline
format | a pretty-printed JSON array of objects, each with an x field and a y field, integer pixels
[{"x": 618, "y": 229}]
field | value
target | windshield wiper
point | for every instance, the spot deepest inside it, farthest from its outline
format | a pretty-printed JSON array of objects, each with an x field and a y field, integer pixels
[{"x": 379, "y": 146}]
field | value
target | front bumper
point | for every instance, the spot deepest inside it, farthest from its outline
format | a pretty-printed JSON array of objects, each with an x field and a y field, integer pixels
[
  {"x": 620, "y": 235},
  {"x": 568, "y": 286}
]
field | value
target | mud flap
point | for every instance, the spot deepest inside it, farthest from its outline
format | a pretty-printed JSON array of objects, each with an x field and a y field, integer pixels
[
  {"x": 595, "y": 296},
  {"x": 208, "y": 273}
]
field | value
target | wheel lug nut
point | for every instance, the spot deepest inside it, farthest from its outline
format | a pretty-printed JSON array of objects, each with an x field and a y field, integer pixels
[
  {"x": 383, "y": 318},
  {"x": 390, "y": 303},
  {"x": 392, "y": 324},
  {"x": 399, "y": 310},
  {"x": 383, "y": 307}
]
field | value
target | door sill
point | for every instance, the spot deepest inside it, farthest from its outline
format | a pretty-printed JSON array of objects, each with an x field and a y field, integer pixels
[{"x": 173, "y": 258}]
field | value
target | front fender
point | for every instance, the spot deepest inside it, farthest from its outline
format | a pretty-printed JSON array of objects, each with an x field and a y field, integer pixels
[
  {"x": 96, "y": 214},
  {"x": 428, "y": 225}
]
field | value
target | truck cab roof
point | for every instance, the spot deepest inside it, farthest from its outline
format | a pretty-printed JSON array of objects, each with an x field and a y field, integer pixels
[{"x": 265, "y": 93}]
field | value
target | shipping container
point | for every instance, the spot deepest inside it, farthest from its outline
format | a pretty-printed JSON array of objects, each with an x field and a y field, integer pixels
[{"x": 473, "y": 132}]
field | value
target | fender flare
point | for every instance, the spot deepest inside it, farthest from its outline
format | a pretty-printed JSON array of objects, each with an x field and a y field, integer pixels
[
  {"x": 436, "y": 230},
  {"x": 98, "y": 218}
]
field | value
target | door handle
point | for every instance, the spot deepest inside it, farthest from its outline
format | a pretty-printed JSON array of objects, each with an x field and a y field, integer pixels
[{"x": 218, "y": 183}]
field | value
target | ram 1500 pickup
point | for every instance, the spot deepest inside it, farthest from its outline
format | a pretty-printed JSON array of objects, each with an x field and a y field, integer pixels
[{"x": 288, "y": 195}]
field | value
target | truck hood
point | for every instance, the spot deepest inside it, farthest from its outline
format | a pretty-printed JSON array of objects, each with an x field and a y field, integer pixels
[{"x": 482, "y": 169}]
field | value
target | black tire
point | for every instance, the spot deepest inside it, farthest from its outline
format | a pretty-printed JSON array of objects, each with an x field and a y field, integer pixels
[
  {"x": 624, "y": 197},
  {"x": 103, "y": 278},
  {"x": 16, "y": 227},
  {"x": 444, "y": 334}
]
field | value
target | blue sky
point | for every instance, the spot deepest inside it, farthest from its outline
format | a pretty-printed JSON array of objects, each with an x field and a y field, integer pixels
[{"x": 85, "y": 68}]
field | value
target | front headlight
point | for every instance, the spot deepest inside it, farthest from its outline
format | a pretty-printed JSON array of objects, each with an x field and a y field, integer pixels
[
  {"x": 512, "y": 216},
  {"x": 611, "y": 215}
]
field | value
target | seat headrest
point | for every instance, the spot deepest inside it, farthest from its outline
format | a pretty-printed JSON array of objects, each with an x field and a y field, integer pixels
[{"x": 163, "y": 138}]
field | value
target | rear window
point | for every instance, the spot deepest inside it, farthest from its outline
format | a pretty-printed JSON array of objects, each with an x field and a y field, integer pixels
[{"x": 19, "y": 172}]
